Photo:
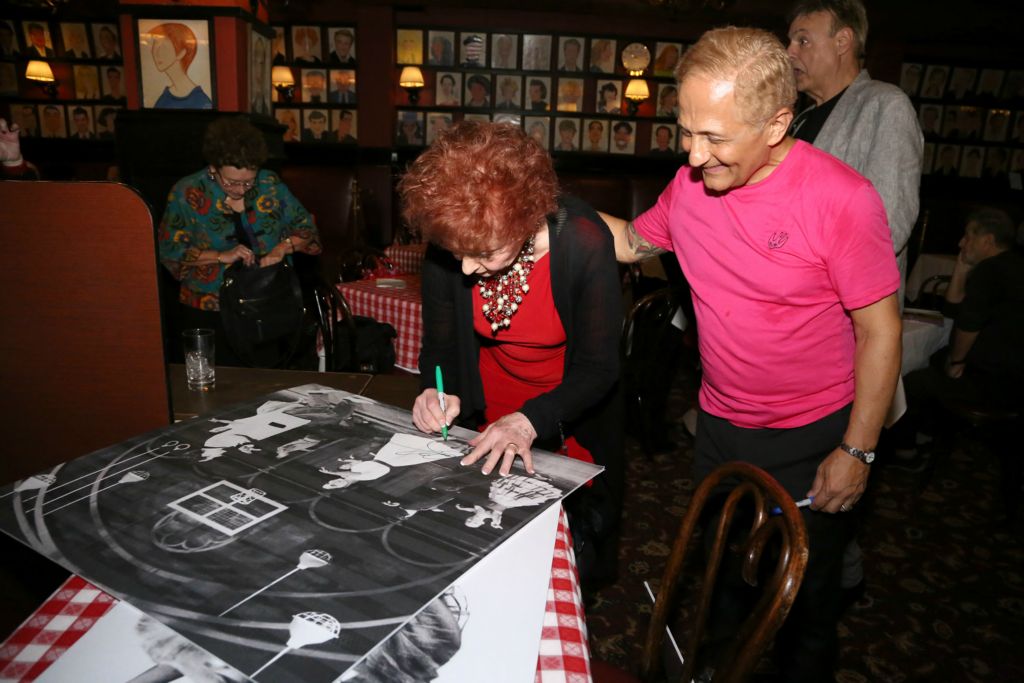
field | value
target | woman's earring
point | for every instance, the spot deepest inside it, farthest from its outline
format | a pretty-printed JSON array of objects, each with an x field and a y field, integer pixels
[{"x": 209, "y": 174}]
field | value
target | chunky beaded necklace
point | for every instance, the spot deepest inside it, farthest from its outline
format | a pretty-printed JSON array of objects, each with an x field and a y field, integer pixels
[{"x": 503, "y": 294}]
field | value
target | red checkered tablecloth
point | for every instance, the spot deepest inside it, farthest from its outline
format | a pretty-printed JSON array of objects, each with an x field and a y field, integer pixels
[
  {"x": 408, "y": 258},
  {"x": 402, "y": 308},
  {"x": 563, "y": 656}
]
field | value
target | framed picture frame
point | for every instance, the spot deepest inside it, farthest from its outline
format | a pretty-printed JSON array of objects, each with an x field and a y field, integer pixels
[
  {"x": 112, "y": 83},
  {"x": 997, "y": 125},
  {"x": 538, "y": 93},
  {"x": 570, "y": 95},
  {"x": 478, "y": 91},
  {"x": 342, "y": 42},
  {"x": 175, "y": 63},
  {"x": 538, "y": 128},
  {"x": 260, "y": 65},
  {"x": 668, "y": 101},
  {"x": 342, "y": 88},
  {"x": 313, "y": 86},
  {"x": 441, "y": 48},
  {"x": 8, "y": 40},
  {"x": 52, "y": 121},
  {"x": 81, "y": 123},
  {"x": 105, "y": 118},
  {"x": 929, "y": 119},
  {"x": 666, "y": 56},
  {"x": 947, "y": 160},
  {"x": 910, "y": 78},
  {"x": 449, "y": 89},
  {"x": 409, "y": 46},
  {"x": 623, "y": 137},
  {"x": 27, "y": 118},
  {"x": 1013, "y": 87},
  {"x": 1017, "y": 134},
  {"x": 345, "y": 124},
  {"x": 437, "y": 123},
  {"x": 75, "y": 41},
  {"x": 961, "y": 83},
  {"x": 511, "y": 119},
  {"x": 107, "y": 41},
  {"x": 570, "y": 53},
  {"x": 663, "y": 140},
  {"x": 306, "y": 45},
  {"x": 473, "y": 49},
  {"x": 316, "y": 126},
  {"x": 567, "y": 134},
  {"x": 971, "y": 162},
  {"x": 935, "y": 82},
  {"x": 536, "y": 52},
  {"x": 38, "y": 42},
  {"x": 8, "y": 79},
  {"x": 997, "y": 162},
  {"x": 990, "y": 83},
  {"x": 504, "y": 51},
  {"x": 409, "y": 129},
  {"x": 509, "y": 92},
  {"x": 602, "y": 55},
  {"x": 87, "y": 82},
  {"x": 279, "y": 45},
  {"x": 608, "y": 97},
  {"x": 289, "y": 118},
  {"x": 595, "y": 135}
]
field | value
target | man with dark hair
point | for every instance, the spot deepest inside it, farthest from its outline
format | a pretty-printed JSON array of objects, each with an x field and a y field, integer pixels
[
  {"x": 316, "y": 128},
  {"x": 984, "y": 362},
  {"x": 868, "y": 124},
  {"x": 538, "y": 95},
  {"x": 37, "y": 41},
  {"x": 82, "y": 124}
]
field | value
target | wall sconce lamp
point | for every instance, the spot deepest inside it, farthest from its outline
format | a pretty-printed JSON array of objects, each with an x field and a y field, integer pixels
[
  {"x": 41, "y": 73},
  {"x": 412, "y": 80},
  {"x": 636, "y": 92},
  {"x": 284, "y": 82}
]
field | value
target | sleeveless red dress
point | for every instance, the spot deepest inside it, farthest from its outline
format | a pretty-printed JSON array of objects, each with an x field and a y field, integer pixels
[{"x": 527, "y": 358}]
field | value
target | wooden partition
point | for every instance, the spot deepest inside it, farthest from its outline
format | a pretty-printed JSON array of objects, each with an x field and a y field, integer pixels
[{"x": 81, "y": 350}]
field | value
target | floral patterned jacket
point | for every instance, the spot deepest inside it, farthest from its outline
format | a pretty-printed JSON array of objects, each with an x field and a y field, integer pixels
[{"x": 198, "y": 218}]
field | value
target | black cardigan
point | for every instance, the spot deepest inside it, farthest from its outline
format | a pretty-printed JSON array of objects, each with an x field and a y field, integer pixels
[{"x": 588, "y": 300}]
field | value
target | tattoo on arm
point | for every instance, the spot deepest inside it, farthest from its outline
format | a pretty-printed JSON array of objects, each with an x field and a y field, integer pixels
[{"x": 638, "y": 245}]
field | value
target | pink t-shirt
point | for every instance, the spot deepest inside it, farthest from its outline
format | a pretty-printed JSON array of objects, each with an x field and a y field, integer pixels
[{"x": 774, "y": 268}]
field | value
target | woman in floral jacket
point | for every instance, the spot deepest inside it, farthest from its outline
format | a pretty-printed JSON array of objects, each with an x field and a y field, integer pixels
[{"x": 229, "y": 211}]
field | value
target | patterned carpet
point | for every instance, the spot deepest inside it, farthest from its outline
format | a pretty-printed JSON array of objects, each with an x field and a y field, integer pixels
[{"x": 944, "y": 599}]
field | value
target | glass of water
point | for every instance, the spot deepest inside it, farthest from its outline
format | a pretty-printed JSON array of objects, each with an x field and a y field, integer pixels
[{"x": 199, "y": 354}]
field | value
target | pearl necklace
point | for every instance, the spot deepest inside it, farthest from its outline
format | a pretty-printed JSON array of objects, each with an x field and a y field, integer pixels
[{"x": 503, "y": 294}]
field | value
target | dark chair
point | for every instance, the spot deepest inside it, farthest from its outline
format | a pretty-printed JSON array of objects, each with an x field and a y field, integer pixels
[
  {"x": 933, "y": 290},
  {"x": 650, "y": 349}
]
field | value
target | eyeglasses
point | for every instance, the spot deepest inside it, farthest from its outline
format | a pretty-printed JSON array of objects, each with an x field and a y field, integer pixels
[{"x": 236, "y": 184}]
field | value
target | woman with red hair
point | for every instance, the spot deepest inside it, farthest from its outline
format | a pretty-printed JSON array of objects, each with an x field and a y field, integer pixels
[
  {"x": 521, "y": 309},
  {"x": 174, "y": 47}
]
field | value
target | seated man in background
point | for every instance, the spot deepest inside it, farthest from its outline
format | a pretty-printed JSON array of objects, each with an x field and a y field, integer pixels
[{"x": 984, "y": 362}]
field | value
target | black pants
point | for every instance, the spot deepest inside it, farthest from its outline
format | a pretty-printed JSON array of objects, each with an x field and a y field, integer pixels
[{"x": 807, "y": 645}]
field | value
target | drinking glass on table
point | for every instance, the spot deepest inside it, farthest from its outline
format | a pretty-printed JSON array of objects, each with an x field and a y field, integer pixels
[{"x": 199, "y": 354}]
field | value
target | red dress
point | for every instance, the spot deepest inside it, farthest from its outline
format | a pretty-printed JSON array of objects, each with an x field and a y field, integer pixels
[{"x": 527, "y": 358}]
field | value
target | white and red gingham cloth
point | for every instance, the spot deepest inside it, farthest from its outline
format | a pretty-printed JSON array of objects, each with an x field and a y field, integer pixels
[
  {"x": 401, "y": 308},
  {"x": 408, "y": 258},
  {"x": 563, "y": 656}
]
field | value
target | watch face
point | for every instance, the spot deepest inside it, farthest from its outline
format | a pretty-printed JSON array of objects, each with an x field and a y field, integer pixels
[{"x": 869, "y": 457}]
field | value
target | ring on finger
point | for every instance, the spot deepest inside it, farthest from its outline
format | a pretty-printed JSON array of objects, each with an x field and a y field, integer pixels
[
  {"x": 845, "y": 508},
  {"x": 513, "y": 446}
]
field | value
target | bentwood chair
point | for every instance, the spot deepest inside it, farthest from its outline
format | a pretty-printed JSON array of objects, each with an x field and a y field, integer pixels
[{"x": 773, "y": 553}]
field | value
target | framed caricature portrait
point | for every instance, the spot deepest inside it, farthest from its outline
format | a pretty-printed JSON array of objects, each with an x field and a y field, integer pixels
[
  {"x": 623, "y": 137},
  {"x": 602, "y": 56},
  {"x": 75, "y": 41},
  {"x": 107, "y": 40},
  {"x": 314, "y": 86},
  {"x": 8, "y": 39},
  {"x": 567, "y": 135},
  {"x": 570, "y": 53},
  {"x": 51, "y": 121},
  {"x": 970, "y": 162},
  {"x": 961, "y": 83},
  {"x": 81, "y": 122},
  {"x": 595, "y": 135},
  {"x": 538, "y": 128},
  {"x": 289, "y": 118},
  {"x": 538, "y": 93},
  {"x": 511, "y": 119},
  {"x": 316, "y": 126},
  {"x": 997, "y": 161},
  {"x": 947, "y": 162},
  {"x": 478, "y": 91},
  {"x": 344, "y": 123},
  {"x": 342, "y": 41},
  {"x": 1013, "y": 88},
  {"x": 441, "y": 49},
  {"x": 504, "y": 51},
  {"x": 1017, "y": 161},
  {"x": 990, "y": 83},
  {"x": 910, "y": 78},
  {"x": 105, "y": 118},
  {"x": 112, "y": 83},
  {"x": 8, "y": 79},
  {"x": 87, "y": 82},
  {"x": 663, "y": 140},
  {"x": 409, "y": 128},
  {"x": 24, "y": 114},
  {"x": 278, "y": 47},
  {"x": 509, "y": 91},
  {"x": 666, "y": 56},
  {"x": 449, "y": 89},
  {"x": 935, "y": 81},
  {"x": 473, "y": 50},
  {"x": 260, "y": 88},
  {"x": 175, "y": 63},
  {"x": 668, "y": 101},
  {"x": 997, "y": 125},
  {"x": 570, "y": 94},
  {"x": 342, "y": 86},
  {"x": 409, "y": 46},
  {"x": 306, "y": 46},
  {"x": 1017, "y": 134},
  {"x": 929, "y": 118},
  {"x": 536, "y": 52},
  {"x": 37, "y": 40},
  {"x": 609, "y": 97},
  {"x": 437, "y": 122}
]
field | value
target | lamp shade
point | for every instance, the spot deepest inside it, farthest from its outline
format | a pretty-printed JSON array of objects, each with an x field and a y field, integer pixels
[
  {"x": 411, "y": 77},
  {"x": 637, "y": 90},
  {"x": 39, "y": 71},
  {"x": 282, "y": 76}
]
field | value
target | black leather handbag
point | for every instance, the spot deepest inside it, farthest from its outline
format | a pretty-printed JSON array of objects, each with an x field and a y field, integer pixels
[{"x": 259, "y": 306}]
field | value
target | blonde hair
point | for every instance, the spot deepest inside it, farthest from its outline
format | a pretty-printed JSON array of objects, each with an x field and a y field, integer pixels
[{"x": 754, "y": 60}]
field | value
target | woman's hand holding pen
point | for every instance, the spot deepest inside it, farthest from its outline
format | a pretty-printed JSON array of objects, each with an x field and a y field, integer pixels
[{"x": 427, "y": 415}]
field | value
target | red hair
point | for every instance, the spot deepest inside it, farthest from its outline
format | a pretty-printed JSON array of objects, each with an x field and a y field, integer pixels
[
  {"x": 479, "y": 187},
  {"x": 181, "y": 38}
]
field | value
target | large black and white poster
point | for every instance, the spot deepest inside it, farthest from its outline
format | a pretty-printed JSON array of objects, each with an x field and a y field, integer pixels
[{"x": 288, "y": 536}]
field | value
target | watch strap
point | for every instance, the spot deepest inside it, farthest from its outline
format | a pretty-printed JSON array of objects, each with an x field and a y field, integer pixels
[{"x": 866, "y": 457}]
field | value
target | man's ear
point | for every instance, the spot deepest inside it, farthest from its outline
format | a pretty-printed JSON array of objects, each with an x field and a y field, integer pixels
[
  {"x": 844, "y": 40},
  {"x": 778, "y": 125}
]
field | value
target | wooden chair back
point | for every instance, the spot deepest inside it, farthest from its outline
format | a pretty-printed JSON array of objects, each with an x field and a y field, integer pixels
[
  {"x": 81, "y": 354},
  {"x": 775, "y": 517}
]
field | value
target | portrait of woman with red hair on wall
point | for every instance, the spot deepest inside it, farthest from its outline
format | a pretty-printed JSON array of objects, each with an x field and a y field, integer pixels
[{"x": 173, "y": 48}]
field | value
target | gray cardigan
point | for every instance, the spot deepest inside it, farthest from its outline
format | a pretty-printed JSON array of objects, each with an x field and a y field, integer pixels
[{"x": 874, "y": 129}]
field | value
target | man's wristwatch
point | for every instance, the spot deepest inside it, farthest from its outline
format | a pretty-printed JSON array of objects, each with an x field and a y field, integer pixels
[{"x": 866, "y": 457}]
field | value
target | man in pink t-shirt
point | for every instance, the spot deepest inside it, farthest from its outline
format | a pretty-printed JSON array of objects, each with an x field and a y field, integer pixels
[{"x": 790, "y": 262}]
